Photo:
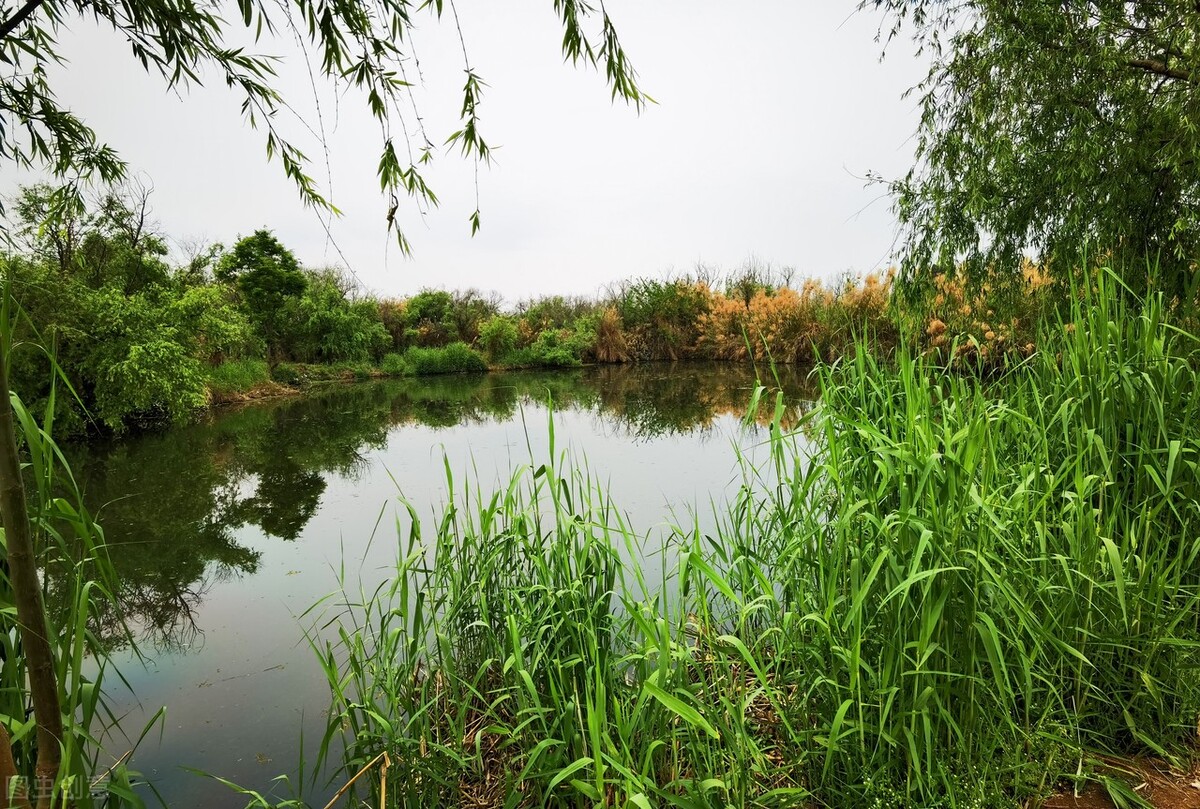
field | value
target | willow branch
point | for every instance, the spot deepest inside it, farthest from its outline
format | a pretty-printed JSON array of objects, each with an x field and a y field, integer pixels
[
  {"x": 1160, "y": 69},
  {"x": 23, "y": 12}
]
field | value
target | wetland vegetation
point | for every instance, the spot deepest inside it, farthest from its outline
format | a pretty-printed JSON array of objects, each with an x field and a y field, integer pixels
[
  {"x": 961, "y": 568},
  {"x": 142, "y": 341},
  {"x": 216, "y": 563},
  {"x": 957, "y": 579},
  {"x": 965, "y": 576},
  {"x": 940, "y": 590}
]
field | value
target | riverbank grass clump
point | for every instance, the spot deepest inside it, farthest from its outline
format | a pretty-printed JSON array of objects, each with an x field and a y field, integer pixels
[
  {"x": 456, "y": 358},
  {"x": 941, "y": 591},
  {"x": 234, "y": 380}
]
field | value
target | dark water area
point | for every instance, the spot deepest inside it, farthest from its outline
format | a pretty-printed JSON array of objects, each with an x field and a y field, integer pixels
[{"x": 224, "y": 533}]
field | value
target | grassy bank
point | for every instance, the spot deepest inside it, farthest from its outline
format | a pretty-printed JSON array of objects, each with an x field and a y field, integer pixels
[{"x": 944, "y": 591}]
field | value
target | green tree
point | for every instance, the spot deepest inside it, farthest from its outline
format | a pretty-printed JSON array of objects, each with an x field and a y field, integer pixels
[
  {"x": 268, "y": 277},
  {"x": 1056, "y": 128},
  {"x": 130, "y": 336},
  {"x": 356, "y": 45},
  {"x": 108, "y": 241},
  {"x": 140, "y": 363},
  {"x": 330, "y": 325},
  {"x": 429, "y": 318}
]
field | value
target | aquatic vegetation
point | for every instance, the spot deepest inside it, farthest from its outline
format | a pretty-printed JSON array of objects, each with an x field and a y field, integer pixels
[
  {"x": 610, "y": 343},
  {"x": 813, "y": 324},
  {"x": 942, "y": 591},
  {"x": 78, "y": 583}
]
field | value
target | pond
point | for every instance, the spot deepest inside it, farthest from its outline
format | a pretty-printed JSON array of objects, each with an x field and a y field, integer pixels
[{"x": 226, "y": 531}]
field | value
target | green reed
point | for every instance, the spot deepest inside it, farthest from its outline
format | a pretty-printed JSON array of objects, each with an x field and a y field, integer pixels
[
  {"x": 944, "y": 589},
  {"x": 78, "y": 583}
]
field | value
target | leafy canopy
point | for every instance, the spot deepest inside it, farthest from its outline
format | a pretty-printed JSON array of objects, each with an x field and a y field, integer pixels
[
  {"x": 268, "y": 277},
  {"x": 1053, "y": 126},
  {"x": 361, "y": 46},
  {"x": 110, "y": 242}
]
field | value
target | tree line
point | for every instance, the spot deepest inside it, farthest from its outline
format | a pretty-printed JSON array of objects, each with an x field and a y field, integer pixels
[{"x": 144, "y": 339}]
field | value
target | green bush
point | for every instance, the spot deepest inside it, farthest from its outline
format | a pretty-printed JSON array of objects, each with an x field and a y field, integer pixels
[
  {"x": 498, "y": 337},
  {"x": 288, "y": 373},
  {"x": 555, "y": 312},
  {"x": 329, "y": 325},
  {"x": 554, "y": 349},
  {"x": 455, "y": 358},
  {"x": 215, "y": 326},
  {"x": 469, "y": 311},
  {"x": 141, "y": 366},
  {"x": 237, "y": 376},
  {"x": 428, "y": 319},
  {"x": 392, "y": 365},
  {"x": 662, "y": 317}
]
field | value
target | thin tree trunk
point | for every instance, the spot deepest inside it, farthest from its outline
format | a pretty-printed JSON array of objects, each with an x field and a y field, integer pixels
[{"x": 27, "y": 592}]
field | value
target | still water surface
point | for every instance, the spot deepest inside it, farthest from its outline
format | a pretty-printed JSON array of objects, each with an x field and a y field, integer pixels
[{"x": 225, "y": 532}]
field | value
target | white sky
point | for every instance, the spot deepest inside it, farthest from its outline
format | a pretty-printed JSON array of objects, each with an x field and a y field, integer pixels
[{"x": 770, "y": 114}]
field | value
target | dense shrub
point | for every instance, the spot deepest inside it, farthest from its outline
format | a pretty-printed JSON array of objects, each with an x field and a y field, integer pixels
[
  {"x": 754, "y": 277},
  {"x": 553, "y": 348},
  {"x": 662, "y": 317},
  {"x": 427, "y": 319},
  {"x": 391, "y": 315},
  {"x": 990, "y": 322},
  {"x": 216, "y": 327},
  {"x": 609, "y": 344},
  {"x": 498, "y": 338},
  {"x": 452, "y": 359},
  {"x": 469, "y": 310},
  {"x": 860, "y": 310},
  {"x": 553, "y": 312},
  {"x": 330, "y": 326},
  {"x": 141, "y": 366},
  {"x": 392, "y": 364},
  {"x": 797, "y": 327}
]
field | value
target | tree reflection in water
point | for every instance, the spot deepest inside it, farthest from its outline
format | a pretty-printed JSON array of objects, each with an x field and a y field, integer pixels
[{"x": 170, "y": 503}]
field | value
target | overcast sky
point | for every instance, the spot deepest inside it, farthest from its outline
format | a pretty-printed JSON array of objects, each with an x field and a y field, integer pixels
[{"x": 769, "y": 116}]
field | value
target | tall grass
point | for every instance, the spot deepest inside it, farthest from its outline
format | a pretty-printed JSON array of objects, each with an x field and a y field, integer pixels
[
  {"x": 234, "y": 377},
  {"x": 77, "y": 580},
  {"x": 941, "y": 591},
  {"x": 456, "y": 358}
]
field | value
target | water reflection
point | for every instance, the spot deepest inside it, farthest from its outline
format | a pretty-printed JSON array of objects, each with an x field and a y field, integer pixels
[{"x": 172, "y": 504}]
